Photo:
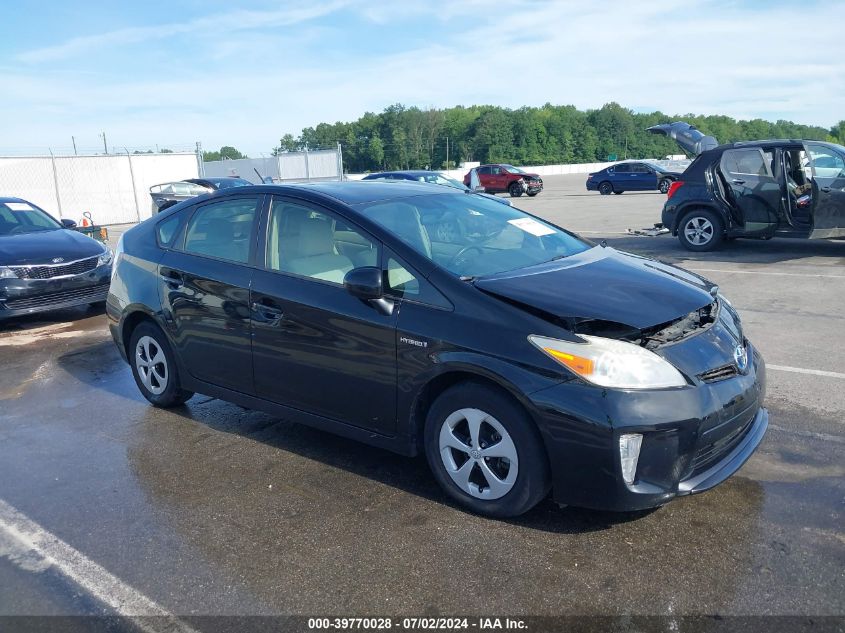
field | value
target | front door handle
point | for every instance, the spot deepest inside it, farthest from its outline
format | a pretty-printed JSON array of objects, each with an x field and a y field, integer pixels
[
  {"x": 826, "y": 189},
  {"x": 738, "y": 182}
]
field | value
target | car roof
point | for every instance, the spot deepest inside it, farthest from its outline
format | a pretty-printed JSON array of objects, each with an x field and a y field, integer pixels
[
  {"x": 349, "y": 192},
  {"x": 12, "y": 199}
]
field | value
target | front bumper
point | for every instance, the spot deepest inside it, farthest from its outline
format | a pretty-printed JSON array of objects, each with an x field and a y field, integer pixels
[
  {"x": 534, "y": 186},
  {"x": 693, "y": 438},
  {"x": 20, "y": 297}
]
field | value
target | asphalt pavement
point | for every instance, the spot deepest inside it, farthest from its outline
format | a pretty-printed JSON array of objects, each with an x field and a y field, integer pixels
[{"x": 213, "y": 509}]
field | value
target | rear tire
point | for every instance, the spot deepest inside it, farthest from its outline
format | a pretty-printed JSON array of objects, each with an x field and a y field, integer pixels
[
  {"x": 605, "y": 188},
  {"x": 515, "y": 190},
  {"x": 154, "y": 367},
  {"x": 485, "y": 451},
  {"x": 700, "y": 230}
]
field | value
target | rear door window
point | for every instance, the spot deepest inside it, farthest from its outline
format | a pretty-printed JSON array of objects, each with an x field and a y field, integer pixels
[
  {"x": 745, "y": 162},
  {"x": 223, "y": 229},
  {"x": 622, "y": 169}
]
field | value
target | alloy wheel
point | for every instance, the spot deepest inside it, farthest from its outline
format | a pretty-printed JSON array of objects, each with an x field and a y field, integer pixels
[
  {"x": 478, "y": 454},
  {"x": 664, "y": 186},
  {"x": 151, "y": 364},
  {"x": 699, "y": 231}
]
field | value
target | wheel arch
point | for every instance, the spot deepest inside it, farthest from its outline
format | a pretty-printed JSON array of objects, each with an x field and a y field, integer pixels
[
  {"x": 699, "y": 206},
  {"x": 437, "y": 384},
  {"x": 132, "y": 319}
]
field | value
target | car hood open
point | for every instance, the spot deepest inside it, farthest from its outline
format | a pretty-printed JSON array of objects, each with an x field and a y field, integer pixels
[
  {"x": 41, "y": 247},
  {"x": 686, "y": 136},
  {"x": 604, "y": 284}
]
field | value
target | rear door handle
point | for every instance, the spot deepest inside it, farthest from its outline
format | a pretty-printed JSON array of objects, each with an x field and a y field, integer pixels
[
  {"x": 173, "y": 279},
  {"x": 267, "y": 312}
]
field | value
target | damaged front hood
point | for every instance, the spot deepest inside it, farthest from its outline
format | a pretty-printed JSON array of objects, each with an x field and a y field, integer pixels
[{"x": 605, "y": 285}]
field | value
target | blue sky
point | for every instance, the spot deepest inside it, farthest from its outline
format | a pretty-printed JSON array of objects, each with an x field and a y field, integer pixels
[{"x": 221, "y": 72}]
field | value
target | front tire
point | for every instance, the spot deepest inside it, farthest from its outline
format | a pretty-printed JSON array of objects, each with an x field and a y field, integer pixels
[
  {"x": 532, "y": 194},
  {"x": 515, "y": 190},
  {"x": 485, "y": 452},
  {"x": 664, "y": 185},
  {"x": 700, "y": 230},
  {"x": 154, "y": 367},
  {"x": 605, "y": 188}
]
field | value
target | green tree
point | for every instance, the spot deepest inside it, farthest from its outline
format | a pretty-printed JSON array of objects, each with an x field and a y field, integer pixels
[
  {"x": 227, "y": 152},
  {"x": 375, "y": 151}
]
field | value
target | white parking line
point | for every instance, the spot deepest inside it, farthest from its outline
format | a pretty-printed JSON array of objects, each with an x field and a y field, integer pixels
[
  {"x": 801, "y": 370},
  {"x": 758, "y": 272},
  {"x": 39, "y": 544}
]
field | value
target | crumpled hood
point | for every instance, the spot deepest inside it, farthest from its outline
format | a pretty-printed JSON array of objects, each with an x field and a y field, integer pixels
[
  {"x": 41, "y": 247},
  {"x": 604, "y": 284}
]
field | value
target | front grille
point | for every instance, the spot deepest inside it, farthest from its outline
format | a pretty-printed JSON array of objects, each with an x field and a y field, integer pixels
[
  {"x": 711, "y": 453},
  {"x": 55, "y": 270},
  {"x": 81, "y": 295},
  {"x": 720, "y": 373}
]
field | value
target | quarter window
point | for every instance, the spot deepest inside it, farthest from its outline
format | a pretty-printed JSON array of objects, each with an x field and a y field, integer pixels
[
  {"x": 315, "y": 243},
  {"x": 222, "y": 229},
  {"x": 745, "y": 162},
  {"x": 404, "y": 283}
]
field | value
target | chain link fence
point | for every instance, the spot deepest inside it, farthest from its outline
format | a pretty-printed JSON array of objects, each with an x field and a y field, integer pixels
[{"x": 114, "y": 188}]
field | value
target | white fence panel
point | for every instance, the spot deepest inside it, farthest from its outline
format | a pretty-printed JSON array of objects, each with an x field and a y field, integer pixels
[
  {"x": 114, "y": 188},
  {"x": 30, "y": 179},
  {"x": 154, "y": 169}
]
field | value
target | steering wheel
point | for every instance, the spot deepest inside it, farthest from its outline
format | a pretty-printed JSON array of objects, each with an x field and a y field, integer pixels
[{"x": 457, "y": 256}]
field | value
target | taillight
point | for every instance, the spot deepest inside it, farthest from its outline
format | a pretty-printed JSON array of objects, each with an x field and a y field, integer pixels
[{"x": 673, "y": 188}]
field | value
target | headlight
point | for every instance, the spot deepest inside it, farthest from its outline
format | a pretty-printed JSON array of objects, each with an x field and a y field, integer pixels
[
  {"x": 106, "y": 257},
  {"x": 7, "y": 273},
  {"x": 611, "y": 363}
]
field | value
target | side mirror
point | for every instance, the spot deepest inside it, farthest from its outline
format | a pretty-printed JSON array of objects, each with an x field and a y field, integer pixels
[
  {"x": 68, "y": 223},
  {"x": 364, "y": 282}
]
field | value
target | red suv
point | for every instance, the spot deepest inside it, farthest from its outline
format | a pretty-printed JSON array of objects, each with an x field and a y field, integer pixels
[{"x": 507, "y": 178}]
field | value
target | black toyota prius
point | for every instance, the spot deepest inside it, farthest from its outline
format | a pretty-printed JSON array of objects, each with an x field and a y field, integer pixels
[{"x": 519, "y": 359}]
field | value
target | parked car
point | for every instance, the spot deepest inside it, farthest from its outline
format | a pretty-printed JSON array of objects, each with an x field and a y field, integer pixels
[
  {"x": 631, "y": 176},
  {"x": 45, "y": 264},
  {"x": 762, "y": 189},
  {"x": 169, "y": 193},
  {"x": 530, "y": 360},
  {"x": 434, "y": 177},
  {"x": 507, "y": 178}
]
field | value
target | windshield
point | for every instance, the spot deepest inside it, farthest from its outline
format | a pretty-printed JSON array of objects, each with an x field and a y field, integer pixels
[
  {"x": 440, "y": 179},
  {"x": 471, "y": 235},
  {"x": 655, "y": 167},
  {"x": 225, "y": 183},
  {"x": 22, "y": 217},
  {"x": 513, "y": 170}
]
